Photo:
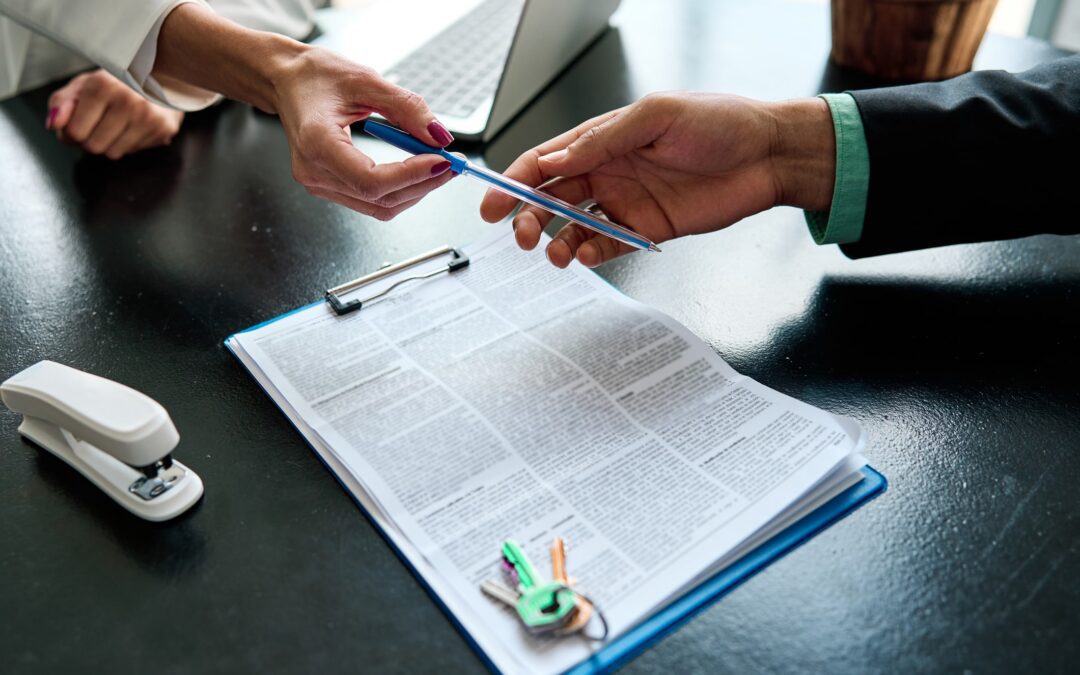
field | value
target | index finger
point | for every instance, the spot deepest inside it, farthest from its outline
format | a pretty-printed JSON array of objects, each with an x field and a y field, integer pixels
[
  {"x": 403, "y": 108},
  {"x": 526, "y": 168}
]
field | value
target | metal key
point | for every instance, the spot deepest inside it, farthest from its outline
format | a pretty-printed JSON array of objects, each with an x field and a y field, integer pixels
[
  {"x": 542, "y": 607},
  {"x": 494, "y": 589},
  {"x": 584, "y": 609},
  {"x": 558, "y": 561}
]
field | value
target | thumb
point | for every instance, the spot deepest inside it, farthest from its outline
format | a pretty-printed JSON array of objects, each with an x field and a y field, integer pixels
[
  {"x": 408, "y": 111},
  {"x": 617, "y": 136}
]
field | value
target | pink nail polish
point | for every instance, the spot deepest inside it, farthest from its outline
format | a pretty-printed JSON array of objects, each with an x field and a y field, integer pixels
[
  {"x": 440, "y": 168},
  {"x": 51, "y": 118},
  {"x": 439, "y": 133}
]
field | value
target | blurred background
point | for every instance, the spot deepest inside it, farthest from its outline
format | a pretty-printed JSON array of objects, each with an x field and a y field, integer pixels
[{"x": 1055, "y": 20}]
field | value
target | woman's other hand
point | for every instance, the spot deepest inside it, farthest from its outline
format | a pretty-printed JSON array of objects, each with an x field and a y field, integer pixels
[{"x": 103, "y": 116}]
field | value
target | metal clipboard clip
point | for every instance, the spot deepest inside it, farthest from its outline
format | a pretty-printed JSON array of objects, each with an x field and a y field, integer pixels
[{"x": 458, "y": 260}]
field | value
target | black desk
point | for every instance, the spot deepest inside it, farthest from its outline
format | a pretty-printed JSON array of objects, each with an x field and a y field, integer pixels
[{"x": 961, "y": 362}]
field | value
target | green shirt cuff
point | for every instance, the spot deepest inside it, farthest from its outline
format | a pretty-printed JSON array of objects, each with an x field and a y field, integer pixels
[{"x": 843, "y": 222}]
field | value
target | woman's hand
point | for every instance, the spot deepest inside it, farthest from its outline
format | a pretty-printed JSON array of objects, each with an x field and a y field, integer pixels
[
  {"x": 319, "y": 94},
  {"x": 104, "y": 116},
  {"x": 671, "y": 165}
]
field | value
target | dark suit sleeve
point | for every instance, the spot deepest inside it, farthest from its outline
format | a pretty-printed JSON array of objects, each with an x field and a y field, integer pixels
[{"x": 988, "y": 155}]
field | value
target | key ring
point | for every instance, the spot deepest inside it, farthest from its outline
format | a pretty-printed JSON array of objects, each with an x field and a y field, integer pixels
[{"x": 598, "y": 613}]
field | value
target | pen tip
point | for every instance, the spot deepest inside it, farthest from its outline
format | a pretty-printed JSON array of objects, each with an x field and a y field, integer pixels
[{"x": 654, "y": 247}]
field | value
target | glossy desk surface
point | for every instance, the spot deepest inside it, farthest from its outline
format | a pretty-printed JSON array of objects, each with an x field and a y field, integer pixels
[{"x": 962, "y": 363}]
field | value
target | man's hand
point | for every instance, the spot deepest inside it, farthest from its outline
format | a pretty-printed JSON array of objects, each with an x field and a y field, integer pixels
[
  {"x": 675, "y": 164},
  {"x": 104, "y": 116}
]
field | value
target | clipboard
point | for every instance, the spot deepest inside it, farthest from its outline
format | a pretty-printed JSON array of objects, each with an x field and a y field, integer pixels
[{"x": 667, "y": 619}]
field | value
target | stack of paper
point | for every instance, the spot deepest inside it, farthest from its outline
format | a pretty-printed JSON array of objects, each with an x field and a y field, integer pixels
[{"x": 513, "y": 399}]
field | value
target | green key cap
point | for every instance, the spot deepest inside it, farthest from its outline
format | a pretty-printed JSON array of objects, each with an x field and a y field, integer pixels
[
  {"x": 543, "y": 606},
  {"x": 515, "y": 556}
]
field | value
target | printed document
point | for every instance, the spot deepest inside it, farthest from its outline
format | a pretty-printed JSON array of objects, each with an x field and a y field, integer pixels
[{"x": 512, "y": 399}]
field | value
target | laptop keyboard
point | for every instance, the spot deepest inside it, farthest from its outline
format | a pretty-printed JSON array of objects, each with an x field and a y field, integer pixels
[{"x": 459, "y": 68}]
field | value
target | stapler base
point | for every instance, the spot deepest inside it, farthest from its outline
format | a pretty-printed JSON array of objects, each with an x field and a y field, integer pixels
[{"x": 118, "y": 480}]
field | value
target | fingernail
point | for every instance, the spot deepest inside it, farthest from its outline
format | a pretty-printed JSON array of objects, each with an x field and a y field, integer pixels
[
  {"x": 440, "y": 168},
  {"x": 51, "y": 118},
  {"x": 556, "y": 156},
  {"x": 439, "y": 133}
]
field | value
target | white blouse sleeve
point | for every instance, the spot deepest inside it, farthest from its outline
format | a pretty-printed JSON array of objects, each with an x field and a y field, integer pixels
[{"x": 118, "y": 35}]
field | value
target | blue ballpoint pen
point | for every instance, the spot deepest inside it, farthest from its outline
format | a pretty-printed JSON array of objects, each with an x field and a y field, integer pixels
[{"x": 400, "y": 139}]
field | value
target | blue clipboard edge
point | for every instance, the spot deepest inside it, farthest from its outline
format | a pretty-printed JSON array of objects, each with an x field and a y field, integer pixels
[
  {"x": 669, "y": 618},
  {"x": 279, "y": 317},
  {"x": 674, "y": 615}
]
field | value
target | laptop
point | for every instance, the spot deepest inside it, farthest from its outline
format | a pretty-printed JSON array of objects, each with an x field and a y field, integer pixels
[{"x": 477, "y": 63}]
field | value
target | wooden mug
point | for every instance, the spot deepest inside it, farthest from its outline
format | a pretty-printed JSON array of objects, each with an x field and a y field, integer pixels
[{"x": 909, "y": 40}]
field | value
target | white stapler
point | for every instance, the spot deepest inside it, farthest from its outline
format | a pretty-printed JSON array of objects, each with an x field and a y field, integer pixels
[{"x": 117, "y": 437}]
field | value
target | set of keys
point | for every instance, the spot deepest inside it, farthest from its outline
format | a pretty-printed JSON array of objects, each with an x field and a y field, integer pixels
[{"x": 544, "y": 607}]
